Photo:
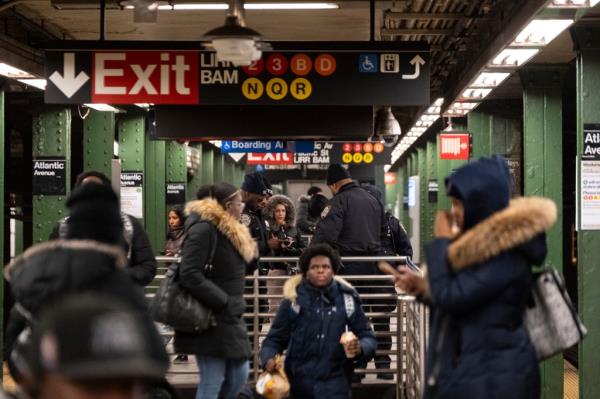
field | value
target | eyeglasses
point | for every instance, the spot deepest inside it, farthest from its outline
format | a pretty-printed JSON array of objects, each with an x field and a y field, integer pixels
[{"x": 237, "y": 203}]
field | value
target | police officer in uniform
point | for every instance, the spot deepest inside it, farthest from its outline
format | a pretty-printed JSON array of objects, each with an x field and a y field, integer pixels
[{"x": 354, "y": 223}]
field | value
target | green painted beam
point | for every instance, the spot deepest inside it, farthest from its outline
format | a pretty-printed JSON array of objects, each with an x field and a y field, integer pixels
[
  {"x": 195, "y": 182},
  {"x": 176, "y": 164},
  {"x": 219, "y": 164},
  {"x": 98, "y": 141},
  {"x": 543, "y": 135},
  {"x": 208, "y": 164},
  {"x": 478, "y": 124},
  {"x": 430, "y": 178},
  {"x": 2, "y": 222},
  {"x": 51, "y": 138},
  {"x": 228, "y": 170},
  {"x": 132, "y": 148},
  {"x": 423, "y": 214},
  {"x": 587, "y": 39},
  {"x": 403, "y": 182},
  {"x": 155, "y": 212}
]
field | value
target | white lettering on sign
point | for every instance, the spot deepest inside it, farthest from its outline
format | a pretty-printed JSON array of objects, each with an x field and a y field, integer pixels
[
  {"x": 219, "y": 77},
  {"x": 451, "y": 145},
  {"x": 49, "y": 165},
  {"x": 101, "y": 73},
  {"x": 592, "y": 138}
]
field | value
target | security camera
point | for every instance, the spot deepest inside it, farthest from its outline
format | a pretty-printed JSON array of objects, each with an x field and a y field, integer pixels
[
  {"x": 389, "y": 140},
  {"x": 388, "y": 129}
]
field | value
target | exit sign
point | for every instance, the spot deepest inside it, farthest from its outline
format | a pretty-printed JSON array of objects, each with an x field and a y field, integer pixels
[{"x": 455, "y": 146}]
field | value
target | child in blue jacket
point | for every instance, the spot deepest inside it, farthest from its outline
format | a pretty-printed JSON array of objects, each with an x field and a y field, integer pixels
[{"x": 317, "y": 310}]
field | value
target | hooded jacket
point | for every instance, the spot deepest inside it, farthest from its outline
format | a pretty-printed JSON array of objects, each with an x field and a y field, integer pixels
[
  {"x": 288, "y": 230},
  {"x": 306, "y": 223},
  {"x": 309, "y": 324},
  {"x": 222, "y": 290},
  {"x": 479, "y": 287},
  {"x": 48, "y": 271}
]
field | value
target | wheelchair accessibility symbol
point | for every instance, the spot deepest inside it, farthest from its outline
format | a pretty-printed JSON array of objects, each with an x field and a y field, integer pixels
[{"x": 368, "y": 63}]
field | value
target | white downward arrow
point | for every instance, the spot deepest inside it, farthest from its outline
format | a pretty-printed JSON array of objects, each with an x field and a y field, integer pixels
[
  {"x": 236, "y": 156},
  {"x": 417, "y": 61},
  {"x": 68, "y": 83}
]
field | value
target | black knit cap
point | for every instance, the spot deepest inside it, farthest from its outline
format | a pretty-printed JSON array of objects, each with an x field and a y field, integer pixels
[
  {"x": 335, "y": 173},
  {"x": 94, "y": 214},
  {"x": 256, "y": 183},
  {"x": 94, "y": 337}
]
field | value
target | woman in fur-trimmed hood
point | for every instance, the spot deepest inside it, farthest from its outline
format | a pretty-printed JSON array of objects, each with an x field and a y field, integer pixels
[
  {"x": 478, "y": 286},
  {"x": 222, "y": 351}
]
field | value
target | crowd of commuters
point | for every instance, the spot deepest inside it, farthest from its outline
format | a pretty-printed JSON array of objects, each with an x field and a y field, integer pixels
[{"x": 80, "y": 327}]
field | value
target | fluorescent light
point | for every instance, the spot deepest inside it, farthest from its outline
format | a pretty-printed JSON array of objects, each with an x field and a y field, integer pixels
[
  {"x": 569, "y": 4},
  {"x": 476, "y": 94},
  {"x": 433, "y": 110},
  {"x": 12, "y": 72},
  {"x": 291, "y": 6},
  {"x": 439, "y": 101},
  {"x": 38, "y": 83},
  {"x": 103, "y": 107},
  {"x": 514, "y": 57},
  {"x": 144, "y": 105},
  {"x": 540, "y": 32},
  {"x": 116, "y": 148},
  {"x": 490, "y": 79},
  {"x": 386, "y": 168},
  {"x": 418, "y": 129},
  {"x": 464, "y": 105},
  {"x": 196, "y": 6},
  {"x": 216, "y": 143},
  {"x": 594, "y": 2}
]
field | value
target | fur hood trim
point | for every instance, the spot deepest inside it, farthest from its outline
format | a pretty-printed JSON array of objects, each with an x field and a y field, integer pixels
[
  {"x": 114, "y": 251},
  {"x": 290, "y": 210},
  {"x": 521, "y": 221},
  {"x": 239, "y": 235},
  {"x": 291, "y": 284}
]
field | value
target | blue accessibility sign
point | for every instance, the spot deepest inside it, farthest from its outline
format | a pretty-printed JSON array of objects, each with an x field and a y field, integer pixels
[
  {"x": 368, "y": 63},
  {"x": 257, "y": 146}
]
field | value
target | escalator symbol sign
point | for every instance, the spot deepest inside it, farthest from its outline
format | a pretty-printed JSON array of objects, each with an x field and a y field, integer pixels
[{"x": 368, "y": 63}]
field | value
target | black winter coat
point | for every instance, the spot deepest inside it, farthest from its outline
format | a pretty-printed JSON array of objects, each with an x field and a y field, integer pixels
[
  {"x": 309, "y": 325},
  {"x": 223, "y": 289},
  {"x": 48, "y": 271},
  {"x": 479, "y": 287},
  {"x": 256, "y": 224},
  {"x": 352, "y": 222},
  {"x": 141, "y": 263}
]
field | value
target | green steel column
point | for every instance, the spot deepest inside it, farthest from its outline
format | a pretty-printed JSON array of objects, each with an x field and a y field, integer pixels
[
  {"x": 155, "y": 213},
  {"x": 403, "y": 192},
  {"x": 478, "y": 124},
  {"x": 208, "y": 164},
  {"x": 176, "y": 164},
  {"x": 51, "y": 138},
  {"x": 132, "y": 146},
  {"x": 239, "y": 175},
  {"x": 423, "y": 214},
  {"x": 587, "y": 40},
  {"x": 196, "y": 181},
  {"x": 228, "y": 172},
  {"x": 2, "y": 221},
  {"x": 542, "y": 121},
  {"x": 430, "y": 177},
  {"x": 219, "y": 166},
  {"x": 98, "y": 141}
]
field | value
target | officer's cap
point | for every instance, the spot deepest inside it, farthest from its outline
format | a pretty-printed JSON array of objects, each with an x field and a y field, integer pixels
[
  {"x": 335, "y": 173},
  {"x": 256, "y": 183}
]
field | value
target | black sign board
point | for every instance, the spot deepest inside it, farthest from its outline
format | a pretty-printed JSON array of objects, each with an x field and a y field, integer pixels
[
  {"x": 294, "y": 73},
  {"x": 591, "y": 141},
  {"x": 432, "y": 191},
  {"x": 175, "y": 193},
  {"x": 222, "y": 122},
  {"x": 49, "y": 176}
]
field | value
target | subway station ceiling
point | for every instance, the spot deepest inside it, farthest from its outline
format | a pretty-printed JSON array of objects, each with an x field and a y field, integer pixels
[{"x": 457, "y": 31}]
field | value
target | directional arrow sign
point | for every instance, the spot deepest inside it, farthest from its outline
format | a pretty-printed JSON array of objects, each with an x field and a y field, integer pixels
[
  {"x": 417, "y": 62},
  {"x": 68, "y": 83}
]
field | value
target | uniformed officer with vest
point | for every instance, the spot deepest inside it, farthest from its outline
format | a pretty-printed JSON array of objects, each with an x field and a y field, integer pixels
[{"x": 256, "y": 191}]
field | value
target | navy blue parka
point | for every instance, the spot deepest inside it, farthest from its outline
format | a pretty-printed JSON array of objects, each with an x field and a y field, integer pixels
[
  {"x": 309, "y": 324},
  {"x": 479, "y": 287}
]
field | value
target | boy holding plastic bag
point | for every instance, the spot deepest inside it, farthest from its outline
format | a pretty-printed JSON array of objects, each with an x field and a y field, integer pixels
[{"x": 322, "y": 326}]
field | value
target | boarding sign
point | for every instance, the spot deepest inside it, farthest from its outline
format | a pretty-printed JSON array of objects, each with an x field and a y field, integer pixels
[
  {"x": 299, "y": 73},
  {"x": 591, "y": 141},
  {"x": 255, "y": 146}
]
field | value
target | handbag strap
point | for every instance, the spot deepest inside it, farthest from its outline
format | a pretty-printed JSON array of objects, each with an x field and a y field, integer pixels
[{"x": 208, "y": 267}]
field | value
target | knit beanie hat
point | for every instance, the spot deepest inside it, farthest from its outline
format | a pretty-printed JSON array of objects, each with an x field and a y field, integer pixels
[
  {"x": 94, "y": 214},
  {"x": 335, "y": 173},
  {"x": 256, "y": 183}
]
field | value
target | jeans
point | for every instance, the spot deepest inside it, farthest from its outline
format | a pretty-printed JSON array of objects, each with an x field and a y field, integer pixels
[{"x": 220, "y": 375}]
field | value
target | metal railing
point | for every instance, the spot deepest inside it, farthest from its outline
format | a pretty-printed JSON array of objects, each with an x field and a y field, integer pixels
[{"x": 385, "y": 306}]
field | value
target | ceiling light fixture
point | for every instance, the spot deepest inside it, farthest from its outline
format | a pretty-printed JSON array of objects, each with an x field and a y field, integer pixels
[
  {"x": 489, "y": 79},
  {"x": 291, "y": 6},
  {"x": 37, "y": 83},
  {"x": 540, "y": 32},
  {"x": 11, "y": 72},
  {"x": 475, "y": 94},
  {"x": 234, "y": 42},
  {"x": 103, "y": 107},
  {"x": 510, "y": 57}
]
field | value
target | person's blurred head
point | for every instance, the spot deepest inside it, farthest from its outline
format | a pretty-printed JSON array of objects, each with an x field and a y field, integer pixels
[
  {"x": 94, "y": 214},
  {"x": 280, "y": 211},
  {"x": 256, "y": 190},
  {"x": 313, "y": 190},
  {"x": 479, "y": 189},
  {"x": 226, "y": 195},
  {"x": 176, "y": 217},
  {"x": 319, "y": 263},
  {"x": 92, "y": 346},
  {"x": 92, "y": 176},
  {"x": 316, "y": 204},
  {"x": 337, "y": 177},
  {"x": 279, "y": 214}
]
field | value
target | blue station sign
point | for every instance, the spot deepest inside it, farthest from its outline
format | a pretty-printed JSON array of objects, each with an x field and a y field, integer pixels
[{"x": 260, "y": 146}]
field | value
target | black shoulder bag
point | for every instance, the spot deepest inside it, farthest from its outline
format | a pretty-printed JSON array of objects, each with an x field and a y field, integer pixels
[{"x": 174, "y": 306}]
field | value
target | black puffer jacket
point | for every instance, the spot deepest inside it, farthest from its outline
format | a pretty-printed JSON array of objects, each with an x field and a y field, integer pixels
[
  {"x": 223, "y": 289},
  {"x": 46, "y": 272}
]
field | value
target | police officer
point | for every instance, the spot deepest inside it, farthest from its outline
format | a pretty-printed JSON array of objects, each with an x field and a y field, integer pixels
[
  {"x": 256, "y": 191},
  {"x": 354, "y": 223}
]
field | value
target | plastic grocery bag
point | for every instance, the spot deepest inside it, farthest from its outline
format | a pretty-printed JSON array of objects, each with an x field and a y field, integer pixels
[{"x": 274, "y": 385}]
